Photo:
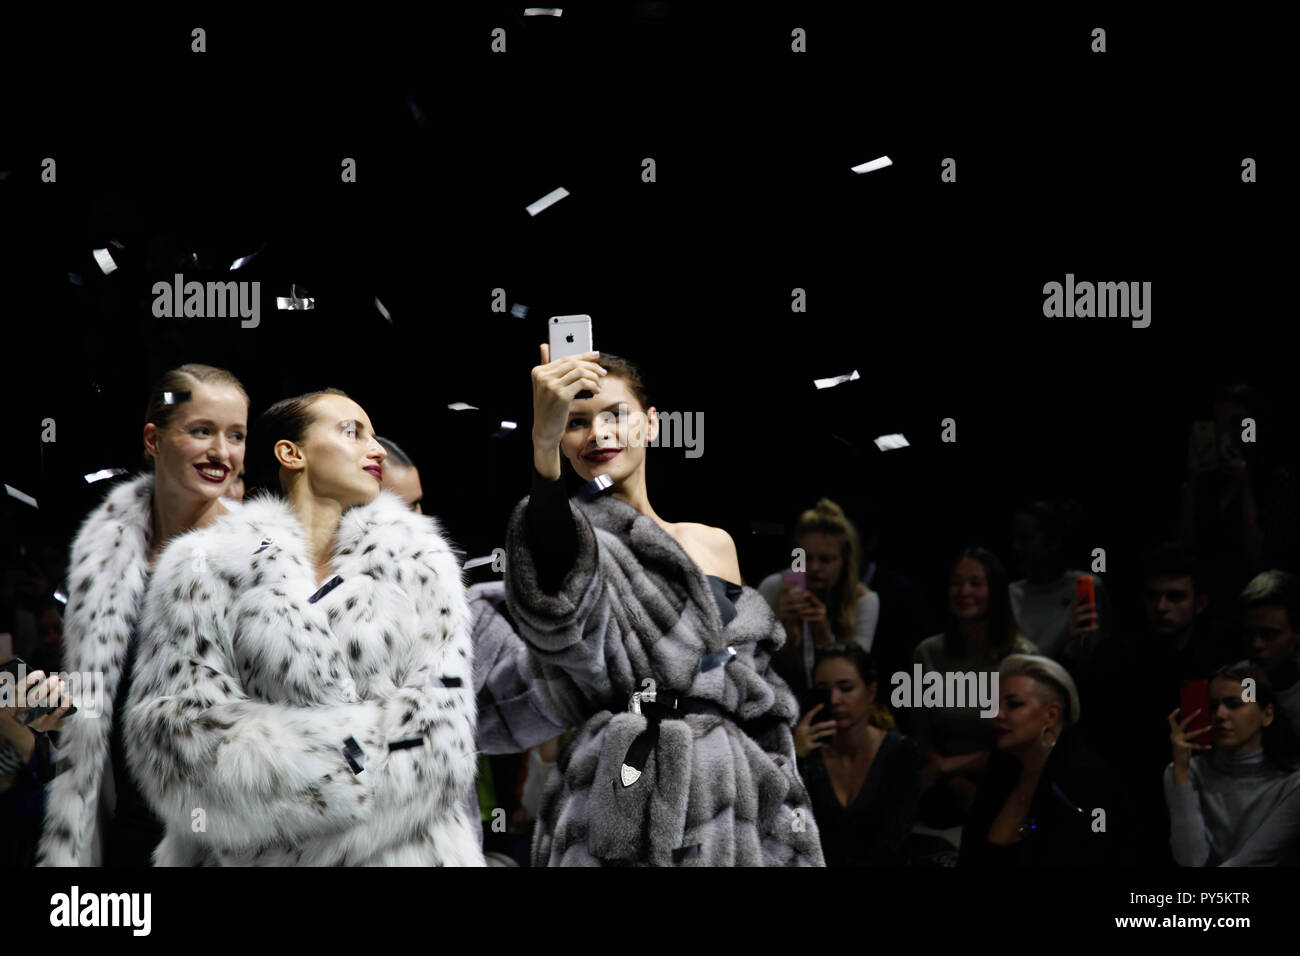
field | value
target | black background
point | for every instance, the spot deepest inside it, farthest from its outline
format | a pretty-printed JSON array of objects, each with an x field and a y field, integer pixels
[{"x": 1123, "y": 166}]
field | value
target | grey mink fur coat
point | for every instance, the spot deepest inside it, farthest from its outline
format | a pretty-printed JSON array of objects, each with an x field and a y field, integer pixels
[
  {"x": 260, "y": 721},
  {"x": 633, "y": 607}
]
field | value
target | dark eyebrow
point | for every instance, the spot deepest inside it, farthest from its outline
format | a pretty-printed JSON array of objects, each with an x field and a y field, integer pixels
[{"x": 209, "y": 421}]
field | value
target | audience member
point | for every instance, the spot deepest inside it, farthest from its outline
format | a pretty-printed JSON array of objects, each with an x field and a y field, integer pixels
[
  {"x": 1240, "y": 804},
  {"x": 831, "y": 605},
  {"x": 1045, "y": 800},
  {"x": 862, "y": 776},
  {"x": 957, "y": 740}
]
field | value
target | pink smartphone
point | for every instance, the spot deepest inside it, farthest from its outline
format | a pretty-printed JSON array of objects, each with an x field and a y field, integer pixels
[{"x": 795, "y": 578}]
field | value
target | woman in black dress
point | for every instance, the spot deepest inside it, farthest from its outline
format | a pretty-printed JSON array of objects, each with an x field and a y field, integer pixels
[{"x": 863, "y": 778}]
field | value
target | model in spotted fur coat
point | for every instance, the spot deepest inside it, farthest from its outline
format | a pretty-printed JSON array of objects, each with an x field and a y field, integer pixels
[
  {"x": 196, "y": 421},
  {"x": 305, "y": 685}
]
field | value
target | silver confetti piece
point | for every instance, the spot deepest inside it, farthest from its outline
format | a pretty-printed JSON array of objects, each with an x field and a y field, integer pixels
[
  {"x": 100, "y": 475},
  {"x": 837, "y": 380},
  {"x": 550, "y": 199},
  {"x": 105, "y": 260},
  {"x": 25, "y": 499},
  {"x": 462, "y": 407},
  {"x": 889, "y": 442},
  {"x": 874, "y": 164}
]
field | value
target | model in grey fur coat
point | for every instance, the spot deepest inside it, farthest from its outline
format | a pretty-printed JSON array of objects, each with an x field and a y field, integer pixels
[
  {"x": 247, "y": 692},
  {"x": 635, "y": 606},
  {"x": 110, "y": 564}
]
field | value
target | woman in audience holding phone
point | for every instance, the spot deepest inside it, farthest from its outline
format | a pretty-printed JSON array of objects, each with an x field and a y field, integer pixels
[
  {"x": 648, "y": 642},
  {"x": 305, "y": 684},
  {"x": 1238, "y": 804},
  {"x": 863, "y": 777},
  {"x": 826, "y": 603},
  {"x": 194, "y": 433}
]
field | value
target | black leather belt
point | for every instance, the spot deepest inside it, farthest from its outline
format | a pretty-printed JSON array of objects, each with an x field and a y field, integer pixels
[{"x": 669, "y": 707}]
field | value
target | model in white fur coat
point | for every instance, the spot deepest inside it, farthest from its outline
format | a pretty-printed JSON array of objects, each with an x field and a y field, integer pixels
[
  {"x": 193, "y": 435},
  {"x": 247, "y": 690}
]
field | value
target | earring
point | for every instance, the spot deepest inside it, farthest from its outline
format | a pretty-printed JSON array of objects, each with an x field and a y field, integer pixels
[{"x": 1043, "y": 739}]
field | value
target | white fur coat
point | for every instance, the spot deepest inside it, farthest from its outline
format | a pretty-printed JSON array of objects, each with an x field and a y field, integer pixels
[
  {"x": 106, "y": 582},
  {"x": 246, "y": 692}
]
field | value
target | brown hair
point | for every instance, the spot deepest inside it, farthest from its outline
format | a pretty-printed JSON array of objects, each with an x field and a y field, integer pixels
[
  {"x": 160, "y": 411},
  {"x": 878, "y": 714},
  {"x": 288, "y": 419},
  {"x": 621, "y": 368},
  {"x": 829, "y": 518}
]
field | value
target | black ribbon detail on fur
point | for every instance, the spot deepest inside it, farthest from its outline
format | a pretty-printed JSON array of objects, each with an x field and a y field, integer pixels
[
  {"x": 672, "y": 708},
  {"x": 351, "y": 752},
  {"x": 451, "y": 681},
  {"x": 406, "y": 744},
  {"x": 325, "y": 589}
]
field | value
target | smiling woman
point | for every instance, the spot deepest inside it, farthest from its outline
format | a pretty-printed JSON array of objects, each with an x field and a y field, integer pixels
[{"x": 194, "y": 440}]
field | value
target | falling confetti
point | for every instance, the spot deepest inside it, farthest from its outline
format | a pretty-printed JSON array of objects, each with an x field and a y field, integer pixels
[
  {"x": 873, "y": 165},
  {"x": 107, "y": 472},
  {"x": 106, "y": 263},
  {"x": 462, "y": 407},
  {"x": 890, "y": 442},
  {"x": 837, "y": 380},
  {"x": 550, "y": 199},
  {"x": 25, "y": 499},
  {"x": 382, "y": 311}
]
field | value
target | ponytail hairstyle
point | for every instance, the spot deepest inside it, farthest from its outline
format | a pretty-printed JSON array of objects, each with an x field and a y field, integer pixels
[
  {"x": 288, "y": 419},
  {"x": 878, "y": 715},
  {"x": 842, "y": 604},
  {"x": 174, "y": 389}
]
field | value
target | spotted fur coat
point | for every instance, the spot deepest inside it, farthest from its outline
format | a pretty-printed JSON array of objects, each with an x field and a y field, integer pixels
[
  {"x": 264, "y": 710},
  {"x": 106, "y": 583},
  {"x": 715, "y": 791}
]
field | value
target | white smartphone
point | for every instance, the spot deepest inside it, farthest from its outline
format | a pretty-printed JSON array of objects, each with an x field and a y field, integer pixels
[{"x": 570, "y": 335}]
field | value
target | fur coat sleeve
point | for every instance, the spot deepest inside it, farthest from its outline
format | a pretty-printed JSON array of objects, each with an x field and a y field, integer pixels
[
  {"x": 252, "y": 681},
  {"x": 511, "y": 714},
  {"x": 106, "y": 583},
  {"x": 716, "y": 790}
]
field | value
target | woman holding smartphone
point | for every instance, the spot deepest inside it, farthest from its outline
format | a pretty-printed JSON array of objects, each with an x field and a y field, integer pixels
[
  {"x": 194, "y": 433},
  {"x": 305, "y": 687},
  {"x": 647, "y": 641},
  {"x": 1238, "y": 805},
  {"x": 826, "y": 603}
]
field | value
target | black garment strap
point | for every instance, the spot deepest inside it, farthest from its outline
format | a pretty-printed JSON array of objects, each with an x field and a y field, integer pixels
[
  {"x": 667, "y": 707},
  {"x": 325, "y": 589},
  {"x": 352, "y": 752}
]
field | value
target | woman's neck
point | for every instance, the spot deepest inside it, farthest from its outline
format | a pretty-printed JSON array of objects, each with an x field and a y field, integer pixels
[
  {"x": 633, "y": 491},
  {"x": 1032, "y": 761},
  {"x": 851, "y": 741},
  {"x": 320, "y": 519},
  {"x": 173, "y": 514},
  {"x": 974, "y": 634}
]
